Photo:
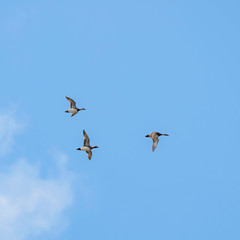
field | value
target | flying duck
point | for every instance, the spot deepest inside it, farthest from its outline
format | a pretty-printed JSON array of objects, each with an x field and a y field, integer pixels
[
  {"x": 154, "y": 136},
  {"x": 86, "y": 146},
  {"x": 73, "y": 109}
]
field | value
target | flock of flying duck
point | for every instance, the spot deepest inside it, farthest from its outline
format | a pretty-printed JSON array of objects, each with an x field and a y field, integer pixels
[{"x": 86, "y": 144}]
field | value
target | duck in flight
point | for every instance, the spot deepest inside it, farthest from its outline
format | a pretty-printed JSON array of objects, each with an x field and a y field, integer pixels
[
  {"x": 154, "y": 136},
  {"x": 73, "y": 109},
  {"x": 86, "y": 145}
]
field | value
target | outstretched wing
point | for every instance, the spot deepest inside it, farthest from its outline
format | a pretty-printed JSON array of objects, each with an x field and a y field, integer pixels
[
  {"x": 86, "y": 139},
  {"x": 155, "y": 143},
  {"x": 89, "y": 153},
  {"x": 72, "y": 103},
  {"x": 73, "y": 114}
]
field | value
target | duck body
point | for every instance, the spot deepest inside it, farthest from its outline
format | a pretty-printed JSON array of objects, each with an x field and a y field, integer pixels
[
  {"x": 154, "y": 136},
  {"x": 73, "y": 109},
  {"x": 86, "y": 146}
]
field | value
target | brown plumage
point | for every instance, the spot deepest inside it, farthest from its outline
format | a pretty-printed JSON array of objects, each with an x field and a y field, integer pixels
[
  {"x": 73, "y": 109},
  {"x": 154, "y": 136},
  {"x": 86, "y": 145},
  {"x": 72, "y": 102}
]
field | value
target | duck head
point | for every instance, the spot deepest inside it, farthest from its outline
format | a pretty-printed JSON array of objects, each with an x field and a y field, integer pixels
[
  {"x": 94, "y": 147},
  {"x": 79, "y": 109}
]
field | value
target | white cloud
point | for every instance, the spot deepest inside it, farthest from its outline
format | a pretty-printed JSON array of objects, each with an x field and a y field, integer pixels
[
  {"x": 9, "y": 127},
  {"x": 31, "y": 204}
]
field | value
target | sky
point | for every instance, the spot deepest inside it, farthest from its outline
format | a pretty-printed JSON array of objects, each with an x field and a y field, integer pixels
[{"x": 136, "y": 67}]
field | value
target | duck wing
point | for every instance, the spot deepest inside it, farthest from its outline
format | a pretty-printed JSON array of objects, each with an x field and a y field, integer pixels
[
  {"x": 86, "y": 139},
  {"x": 155, "y": 143},
  {"x": 89, "y": 153},
  {"x": 73, "y": 114},
  {"x": 72, "y": 102}
]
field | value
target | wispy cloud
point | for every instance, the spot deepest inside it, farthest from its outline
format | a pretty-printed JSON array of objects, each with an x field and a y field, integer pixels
[
  {"x": 31, "y": 203},
  {"x": 9, "y": 127}
]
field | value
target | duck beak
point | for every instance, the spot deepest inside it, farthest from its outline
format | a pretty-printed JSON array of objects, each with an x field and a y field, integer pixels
[
  {"x": 147, "y": 136},
  {"x": 78, "y": 149}
]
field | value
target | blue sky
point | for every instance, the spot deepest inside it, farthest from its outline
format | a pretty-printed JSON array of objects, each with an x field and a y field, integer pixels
[{"x": 136, "y": 66}]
